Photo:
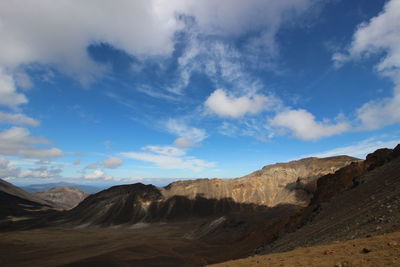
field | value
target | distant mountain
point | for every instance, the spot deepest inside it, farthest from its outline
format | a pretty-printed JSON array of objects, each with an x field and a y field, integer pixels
[
  {"x": 36, "y": 188},
  {"x": 63, "y": 197},
  {"x": 289, "y": 183}
]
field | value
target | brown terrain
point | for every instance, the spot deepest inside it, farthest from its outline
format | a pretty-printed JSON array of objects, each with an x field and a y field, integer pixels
[
  {"x": 382, "y": 250},
  {"x": 285, "y": 206},
  {"x": 62, "y": 197}
]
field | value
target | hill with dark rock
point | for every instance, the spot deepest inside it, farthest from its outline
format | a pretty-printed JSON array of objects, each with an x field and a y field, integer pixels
[
  {"x": 16, "y": 202},
  {"x": 359, "y": 200}
]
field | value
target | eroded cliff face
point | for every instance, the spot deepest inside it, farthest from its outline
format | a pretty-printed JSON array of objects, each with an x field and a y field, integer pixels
[{"x": 282, "y": 183}]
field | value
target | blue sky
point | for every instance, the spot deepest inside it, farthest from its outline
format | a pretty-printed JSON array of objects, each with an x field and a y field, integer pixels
[{"x": 108, "y": 92}]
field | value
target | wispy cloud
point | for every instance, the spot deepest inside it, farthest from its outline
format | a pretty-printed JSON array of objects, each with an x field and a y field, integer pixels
[
  {"x": 170, "y": 162},
  {"x": 359, "y": 149},
  {"x": 17, "y": 141},
  {"x": 181, "y": 129},
  {"x": 17, "y": 119}
]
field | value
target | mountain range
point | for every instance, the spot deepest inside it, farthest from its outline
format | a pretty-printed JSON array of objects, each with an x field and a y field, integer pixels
[{"x": 281, "y": 207}]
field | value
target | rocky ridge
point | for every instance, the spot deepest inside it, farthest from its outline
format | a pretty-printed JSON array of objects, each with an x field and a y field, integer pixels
[
  {"x": 279, "y": 184},
  {"x": 359, "y": 200},
  {"x": 290, "y": 183}
]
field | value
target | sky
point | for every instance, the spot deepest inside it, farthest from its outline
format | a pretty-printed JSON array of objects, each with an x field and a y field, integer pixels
[{"x": 110, "y": 92}]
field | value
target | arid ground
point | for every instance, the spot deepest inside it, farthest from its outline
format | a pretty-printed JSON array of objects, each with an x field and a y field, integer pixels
[
  {"x": 149, "y": 245},
  {"x": 383, "y": 250}
]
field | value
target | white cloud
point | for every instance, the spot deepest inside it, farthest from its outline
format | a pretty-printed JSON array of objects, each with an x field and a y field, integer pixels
[
  {"x": 381, "y": 35},
  {"x": 17, "y": 141},
  {"x": 49, "y": 35},
  {"x": 8, "y": 92},
  {"x": 166, "y": 150},
  {"x": 183, "y": 142},
  {"x": 304, "y": 126},
  {"x": 378, "y": 113},
  {"x": 97, "y": 175},
  {"x": 17, "y": 118},
  {"x": 43, "y": 172},
  {"x": 179, "y": 128},
  {"x": 170, "y": 162},
  {"x": 359, "y": 149},
  {"x": 112, "y": 162},
  {"x": 235, "y": 17},
  {"x": 7, "y": 170},
  {"x": 76, "y": 162},
  {"x": 224, "y": 105},
  {"x": 170, "y": 157}
]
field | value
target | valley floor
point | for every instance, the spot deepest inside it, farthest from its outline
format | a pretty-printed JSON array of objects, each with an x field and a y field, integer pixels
[
  {"x": 383, "y": 250},
  {"x": 140, "y": 245}
]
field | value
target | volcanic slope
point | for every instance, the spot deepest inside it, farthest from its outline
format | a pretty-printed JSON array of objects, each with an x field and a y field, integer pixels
[
  {"x": 351, "y": 203},
  {"x": 289, "y": 183},
  {"x": 16, "y": 202},
  {"x": 360, "y": 200}
]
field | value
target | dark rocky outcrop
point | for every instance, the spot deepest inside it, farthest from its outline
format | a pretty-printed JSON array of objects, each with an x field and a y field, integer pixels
[
  {"x": 350, "y": 176},
  {"x": 359, "y": 200}
]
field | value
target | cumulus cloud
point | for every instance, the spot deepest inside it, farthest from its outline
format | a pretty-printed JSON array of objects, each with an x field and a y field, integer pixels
[
  {"x": 304, "y": 126},
  {"x": 16, "y": 141},
  {"x": 17, "y": 118},
  {"x": 112, "y": 162},
  {"x": 224, "y": 105},
  {"x": 380, "y": 35},
  {"x": 34, "y": 37},
  {"x": 50, "y": 36},
  {"x": 179, "y": 128}
]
